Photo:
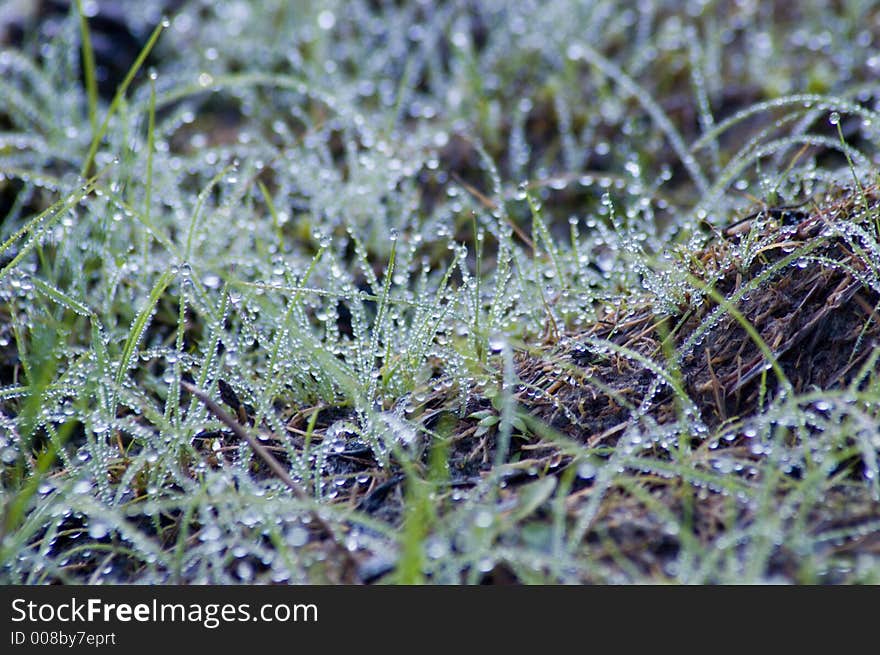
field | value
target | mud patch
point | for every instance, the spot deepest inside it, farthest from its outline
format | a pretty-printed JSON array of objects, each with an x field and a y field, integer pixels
[{"x": 808, "y": 289}]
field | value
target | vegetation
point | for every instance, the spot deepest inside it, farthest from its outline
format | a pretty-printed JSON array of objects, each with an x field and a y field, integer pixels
[{"x": 440, "y": 292}]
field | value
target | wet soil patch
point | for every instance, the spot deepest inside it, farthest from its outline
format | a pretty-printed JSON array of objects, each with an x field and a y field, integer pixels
[{"x": 808, "y": 289}]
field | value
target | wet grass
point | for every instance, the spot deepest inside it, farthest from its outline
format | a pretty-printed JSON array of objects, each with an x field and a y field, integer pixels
[{"x": 439, "y": 293}]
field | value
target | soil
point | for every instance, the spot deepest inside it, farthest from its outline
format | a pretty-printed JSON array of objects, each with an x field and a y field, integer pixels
[{"x": 816, "y": 313}]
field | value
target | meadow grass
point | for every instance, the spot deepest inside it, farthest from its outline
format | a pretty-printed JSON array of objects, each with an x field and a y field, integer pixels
[{"x": 399, "y": 248}]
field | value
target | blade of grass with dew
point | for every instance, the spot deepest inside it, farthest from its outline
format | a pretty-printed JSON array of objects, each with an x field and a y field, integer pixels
[
  {"x": 835, "y": 120},
  {"x": 213, "y": 342},
  {"x": 284, "y": 329},
  {"x": 379, "y": 323},
  {"x": 541, "y": 228},
  {"x": 41, "y": 224},
  {"x": 270, "y": 204},
  {"x": 804, "y": 100},
  {"x": 172, "y": 399},
  {"x": 203, "y": 194},
  {"x": 737, "y": 166},
  {"x": 433, "y": 318},
  {"x": 421, "y": 509},
  {"x": 120, "y": 93},
  {"x": 136, "y": 333},
  {"x": 88, "y": 58},
  {"x": 641, "y": 95},
  {"x": 151, "y": 148},
  {"x": 63, "y": 299},
  {"x": 41, "y": 370}
]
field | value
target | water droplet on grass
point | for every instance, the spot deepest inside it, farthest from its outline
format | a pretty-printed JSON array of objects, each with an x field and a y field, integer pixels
[
  {"x": 210, "y": 533},
  {"x": 326, "y": 20},
  {"x": 436, "y": 548},
  {"x": 297, "y": 536},
  {"x": 497, "y": 342},
  {"x": 483, "y": 519},
  {"x": 586, "y": 470},
  {"x": 8, "y": 455},
  {"x": 98, "y": 529}
]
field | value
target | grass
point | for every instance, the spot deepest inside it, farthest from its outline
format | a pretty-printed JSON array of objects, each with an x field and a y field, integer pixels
[{"x": 440, "y": 293}]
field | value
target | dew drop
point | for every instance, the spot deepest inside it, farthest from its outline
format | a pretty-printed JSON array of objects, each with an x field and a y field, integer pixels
[
  {"x": 483, "y": 519},
  {"x": 497, "y": 342},
  {"x": 98, "y": 529},
  {"x": 436, "y": 548},
  {"x": 297, "y": 536},
  {"x": 210, "y": 533},
  {"x": 586, "y": 470},
  {"x": 326, "y": 20}
]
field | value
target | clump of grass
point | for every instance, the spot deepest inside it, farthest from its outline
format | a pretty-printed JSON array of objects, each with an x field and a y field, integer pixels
[{"x": 495, "y": 288}]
